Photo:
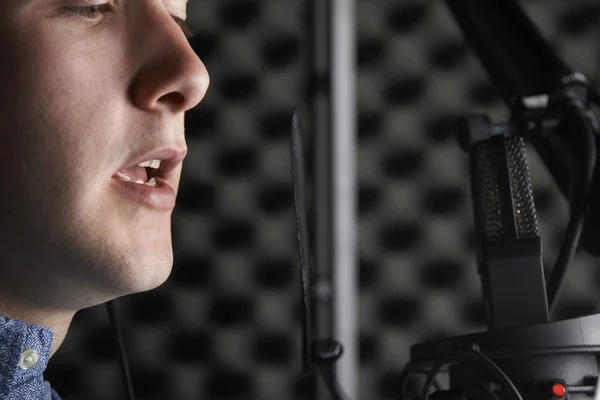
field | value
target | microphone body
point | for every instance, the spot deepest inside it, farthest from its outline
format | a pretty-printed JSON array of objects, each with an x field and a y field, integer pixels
[
  {"x": 510, "y": 251},
  {"x": 537, "y": 357}
]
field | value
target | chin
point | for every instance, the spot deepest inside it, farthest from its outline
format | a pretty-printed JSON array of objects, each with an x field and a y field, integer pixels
[
  {"x": 138, "y": 272},
  {"x": 151, "y": 273}
]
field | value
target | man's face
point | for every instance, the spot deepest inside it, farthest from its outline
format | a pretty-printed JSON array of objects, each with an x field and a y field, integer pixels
[{"x": 84, "y": 92}]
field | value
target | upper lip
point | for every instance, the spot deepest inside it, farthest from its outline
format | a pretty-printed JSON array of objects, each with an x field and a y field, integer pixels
[{"x": 170, "y": 157}]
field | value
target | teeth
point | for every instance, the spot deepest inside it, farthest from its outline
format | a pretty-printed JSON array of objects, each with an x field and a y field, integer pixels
[
  {"x": 123, "y": 177},
  {"x": 151, "y": 182},
  {"x": 154, "y": 164}
]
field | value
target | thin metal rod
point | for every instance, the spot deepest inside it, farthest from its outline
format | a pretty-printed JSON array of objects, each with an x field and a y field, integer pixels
[
  {"x": 321, "y": 133},
  {"x": 345, "y": 285}
]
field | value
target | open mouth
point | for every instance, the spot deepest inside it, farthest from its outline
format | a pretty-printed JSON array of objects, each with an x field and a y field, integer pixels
[
  {"x": 147, "y": 182},
  {"x": 153, "y": 168},
  {"x": 141, "y": 175}
]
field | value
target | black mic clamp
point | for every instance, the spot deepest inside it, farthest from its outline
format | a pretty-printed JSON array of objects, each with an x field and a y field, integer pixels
[
  {"x": 477, "y": 128},
  {"x": 531, "y": 116}
]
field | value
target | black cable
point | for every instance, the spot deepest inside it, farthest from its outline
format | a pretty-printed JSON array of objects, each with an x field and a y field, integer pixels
[
  {"x": 490, "y": 392},
  {"x": 116, "y": 328},
  {"x": 593, "y": 95},
  {"x": 477, "y": 391},
  {"x": 430, "y": 378},
  {"x": 487, "y": 362},
  {"x": 437, "y": 385},
  {"x": 494, "y": 368},
  {"x": 578, "y": 205},
  {"x": 404, "y": 377},
  {"x": 328, "y": 374}
]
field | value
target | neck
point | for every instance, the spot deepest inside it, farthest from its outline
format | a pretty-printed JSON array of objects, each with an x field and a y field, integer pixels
[{"x": 58, "y": 321}]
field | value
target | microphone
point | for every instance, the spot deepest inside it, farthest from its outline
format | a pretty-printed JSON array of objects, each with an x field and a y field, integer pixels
[
  {"x": 548, "y": 102},
  {"x": 510, "y": 251},
  {"x": 524, "y": 354},
  {"x": 528, "y": 73}
]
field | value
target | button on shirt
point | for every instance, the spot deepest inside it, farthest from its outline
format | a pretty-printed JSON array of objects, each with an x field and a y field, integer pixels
[{"x": 24, "y": 352}]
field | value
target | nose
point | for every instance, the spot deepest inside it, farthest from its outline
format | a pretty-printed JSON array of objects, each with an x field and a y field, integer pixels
[{"x": 171, "y": 77}]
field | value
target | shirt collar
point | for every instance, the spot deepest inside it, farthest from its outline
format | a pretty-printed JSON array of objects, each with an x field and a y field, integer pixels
[{"x": 21, "y": 343}]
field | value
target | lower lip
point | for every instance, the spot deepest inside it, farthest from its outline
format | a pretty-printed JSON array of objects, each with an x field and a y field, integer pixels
[{"x": 161, "y": 197}]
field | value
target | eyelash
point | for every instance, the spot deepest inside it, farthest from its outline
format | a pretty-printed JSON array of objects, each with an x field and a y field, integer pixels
[{"x": 84, "y": 12}]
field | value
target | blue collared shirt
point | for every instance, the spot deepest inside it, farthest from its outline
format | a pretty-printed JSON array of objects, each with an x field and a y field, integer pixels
[{"x": 24, "y": 352}]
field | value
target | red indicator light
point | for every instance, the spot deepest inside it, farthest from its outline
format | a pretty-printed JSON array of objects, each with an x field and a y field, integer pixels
[{"x": 559, "y": 390}]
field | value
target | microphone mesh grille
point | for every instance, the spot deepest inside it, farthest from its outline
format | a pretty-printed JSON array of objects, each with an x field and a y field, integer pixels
[
  {"x": 487, "y": 184},
  {"x": 522, "y": 190}
]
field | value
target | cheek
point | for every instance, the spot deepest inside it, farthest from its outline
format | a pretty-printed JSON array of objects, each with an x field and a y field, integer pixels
[
  {"x": 52, "y": 70},
  {"x": 60, "y": 73},
  {"x": 57, "y": 125}
]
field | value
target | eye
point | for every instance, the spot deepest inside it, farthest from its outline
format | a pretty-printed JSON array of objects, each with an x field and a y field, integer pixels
[{"x": 90, "y": 13}]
